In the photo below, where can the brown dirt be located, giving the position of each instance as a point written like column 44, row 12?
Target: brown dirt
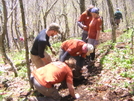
column 91, row 88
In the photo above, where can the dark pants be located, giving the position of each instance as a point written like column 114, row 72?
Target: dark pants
column 79, row 63
column 50, row 93
column 84, row 36
column 92, row 55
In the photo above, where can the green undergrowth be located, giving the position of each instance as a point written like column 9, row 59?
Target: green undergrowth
column 119, row 59
column 114, row 59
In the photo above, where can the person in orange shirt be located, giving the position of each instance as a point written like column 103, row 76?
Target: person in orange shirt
column 45, row 77
column 83, row 22
column 94, row 31
column 78, row 50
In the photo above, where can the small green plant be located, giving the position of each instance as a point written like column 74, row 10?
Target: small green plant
column 22, row 72
column 126, row 84
column 1, row 73
column 109, row 30
column 128, row 74
column 3, row 95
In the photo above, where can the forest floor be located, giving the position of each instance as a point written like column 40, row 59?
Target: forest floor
column 91, row 88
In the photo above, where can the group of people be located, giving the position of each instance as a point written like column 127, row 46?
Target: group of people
column 71, row 58
column 48, row 72
column 91, row 22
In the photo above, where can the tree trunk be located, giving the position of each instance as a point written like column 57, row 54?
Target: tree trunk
column 25, row 41
column 47, row 12
column 94, row 2
column 111, row 12
column 17, row 28
column 12, row 31
column 75, row 28
column 3, row 39
column 82, row 6
column 65, row 33
column 125, row 11
column 116, row 1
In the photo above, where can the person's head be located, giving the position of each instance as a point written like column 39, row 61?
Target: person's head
column 87, row 48
column 53, row 29
column 95, row 11
column 117, row 9
column 89, row 10
column 71, row 62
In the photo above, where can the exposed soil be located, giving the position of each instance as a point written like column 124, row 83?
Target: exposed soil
column 91, row 88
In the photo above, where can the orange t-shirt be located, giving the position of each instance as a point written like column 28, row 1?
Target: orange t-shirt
column 94, row 26
column 54, row 72
column 85, row 19
column 73, row 47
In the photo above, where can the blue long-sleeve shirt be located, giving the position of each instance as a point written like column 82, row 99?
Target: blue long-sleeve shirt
column 40, row 43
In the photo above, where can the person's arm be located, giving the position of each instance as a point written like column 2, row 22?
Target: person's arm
column 64, row 56
column 82, row 26
column 98, row 34
column 52, row 50
column 71, row 91
column 98, row 26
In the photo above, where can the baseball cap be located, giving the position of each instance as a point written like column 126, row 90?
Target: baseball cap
column 117, row 8
column 95, row 10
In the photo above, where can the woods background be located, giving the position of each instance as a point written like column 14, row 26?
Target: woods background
column 40, row 13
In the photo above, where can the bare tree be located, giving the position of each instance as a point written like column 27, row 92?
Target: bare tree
column 25, row 40
column 82, row 5
column 94, row 2
column 47, row 12
column 111, row 12
column 12, row 28
column 65, row 34
column 41, row 12
column 116, row 1
column 125, row 11
column 75, row 28
column 5, row 56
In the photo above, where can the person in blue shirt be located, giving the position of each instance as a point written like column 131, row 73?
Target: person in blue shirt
column 39, row 56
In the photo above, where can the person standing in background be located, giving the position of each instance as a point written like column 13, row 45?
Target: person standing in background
column 83, row 22
column 117, row 17
column 94, row 31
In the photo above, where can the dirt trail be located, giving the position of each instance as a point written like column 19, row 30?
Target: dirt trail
column 91, row 88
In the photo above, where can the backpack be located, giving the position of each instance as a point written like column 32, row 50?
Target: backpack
column 118, row 15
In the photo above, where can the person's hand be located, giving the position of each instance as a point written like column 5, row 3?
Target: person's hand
column 96, row 42
column 84, row 27
column 53, row 52
column 77, row 96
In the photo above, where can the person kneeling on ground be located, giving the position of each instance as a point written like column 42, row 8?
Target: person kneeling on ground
column 45, row 77
column 78, row 50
